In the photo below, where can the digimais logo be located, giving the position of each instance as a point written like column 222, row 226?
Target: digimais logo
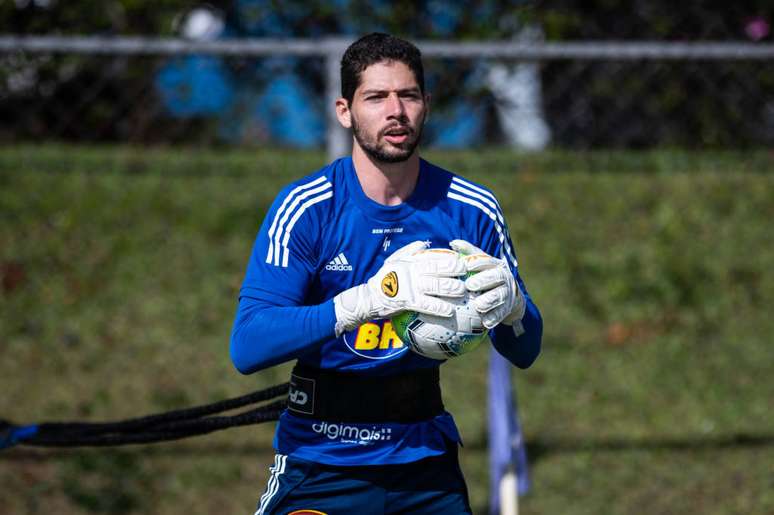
column 353, row 434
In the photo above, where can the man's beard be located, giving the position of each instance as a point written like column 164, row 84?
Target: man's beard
column 381, row 152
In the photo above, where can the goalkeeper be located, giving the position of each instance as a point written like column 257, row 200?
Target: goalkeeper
column 365, row 430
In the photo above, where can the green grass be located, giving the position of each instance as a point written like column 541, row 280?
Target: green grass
column 653, row 393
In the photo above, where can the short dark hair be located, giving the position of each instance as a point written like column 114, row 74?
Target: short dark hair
column 374, row 48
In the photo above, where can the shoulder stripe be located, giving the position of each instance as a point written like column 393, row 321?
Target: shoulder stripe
column 281, row 209
column 312, row 201
column 482, row 198
column 482, row 191
column 501, row 235
column 275, row 237
column 479, row 189
column 288, row 211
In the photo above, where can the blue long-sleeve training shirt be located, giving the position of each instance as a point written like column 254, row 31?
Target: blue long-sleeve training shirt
column 323, row 235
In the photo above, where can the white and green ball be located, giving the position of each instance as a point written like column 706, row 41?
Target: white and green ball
column 442, row 337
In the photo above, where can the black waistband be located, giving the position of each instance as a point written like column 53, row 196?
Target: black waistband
column 346, row 397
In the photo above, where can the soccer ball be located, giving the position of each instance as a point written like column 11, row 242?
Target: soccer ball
column 442, row 337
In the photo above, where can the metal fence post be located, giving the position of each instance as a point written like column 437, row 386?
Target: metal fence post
column 338, row 140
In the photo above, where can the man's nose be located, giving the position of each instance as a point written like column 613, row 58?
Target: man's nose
column 395, row 107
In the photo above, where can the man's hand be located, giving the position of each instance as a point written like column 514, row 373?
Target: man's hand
column 409, row 280
column 500, row 299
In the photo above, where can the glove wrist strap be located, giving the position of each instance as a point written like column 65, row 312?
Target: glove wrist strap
column 353, row 307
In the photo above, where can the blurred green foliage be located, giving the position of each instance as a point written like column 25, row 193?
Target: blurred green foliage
column 120, row 266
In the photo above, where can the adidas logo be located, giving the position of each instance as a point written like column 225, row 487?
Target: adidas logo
column 339, row 264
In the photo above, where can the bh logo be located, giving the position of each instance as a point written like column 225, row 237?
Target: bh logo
column 375, row 340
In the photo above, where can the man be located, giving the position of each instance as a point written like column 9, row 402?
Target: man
column 365, row 430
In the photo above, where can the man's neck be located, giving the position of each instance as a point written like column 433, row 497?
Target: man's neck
column 388, row 184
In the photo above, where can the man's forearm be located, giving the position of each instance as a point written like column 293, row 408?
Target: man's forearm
column 265, row 335
column 520, row 350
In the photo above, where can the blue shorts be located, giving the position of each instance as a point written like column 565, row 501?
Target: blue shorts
column 433, row 485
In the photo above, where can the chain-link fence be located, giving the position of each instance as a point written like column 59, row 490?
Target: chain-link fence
column 259, row 92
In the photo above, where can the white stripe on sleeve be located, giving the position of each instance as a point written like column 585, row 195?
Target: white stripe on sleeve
column 503, row 238
column 288, row 212
column 479, row 189
column 276, row 237
column 312, row 201
column 484, row 192
column 281, row 209
column 492, row 204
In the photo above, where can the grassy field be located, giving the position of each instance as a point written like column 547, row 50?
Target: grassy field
column 654, row 392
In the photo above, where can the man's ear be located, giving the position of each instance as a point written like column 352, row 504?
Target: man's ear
column 343, row 113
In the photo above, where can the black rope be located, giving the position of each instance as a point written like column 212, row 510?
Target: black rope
column 170, row 425
column 169, row 416
column 173, row 432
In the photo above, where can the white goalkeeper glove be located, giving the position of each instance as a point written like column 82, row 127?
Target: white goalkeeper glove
column 499, row 299
column 409, row 280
